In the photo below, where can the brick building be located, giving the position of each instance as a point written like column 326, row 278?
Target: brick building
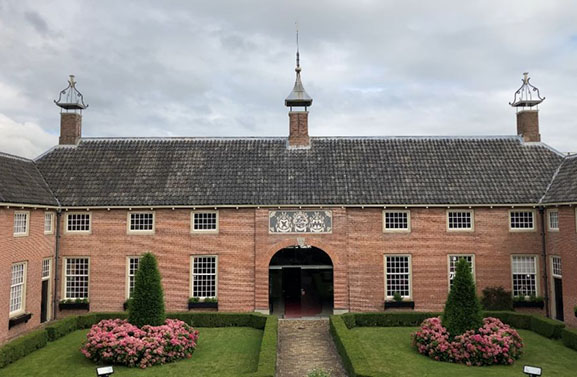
column 295, row 226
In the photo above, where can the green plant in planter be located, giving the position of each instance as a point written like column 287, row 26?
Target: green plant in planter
column 147, row 307
column 212, row 300
column 74, row 301
column 519, row 299
column 397, row 297
column 534, row 298
column 462, row 309
column 193, row 300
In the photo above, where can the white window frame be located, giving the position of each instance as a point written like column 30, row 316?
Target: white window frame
column 470, row 212
column 534, row 228
column 204, row 231
column 191, row 275
column 128, row 275
column 397, row 230
column 553, row 269
column 410, row 261
column 549, row 212
column 27, row 231
column 89, row 231
column 65, row 277
column 537, row 274
column 49, row 277
column 22, row 309
column 51, row 230
column 129, row 223
column 473, row 268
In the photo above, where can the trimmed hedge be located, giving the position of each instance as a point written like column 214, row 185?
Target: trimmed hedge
column 513, row 319
column 347, row 346
column 546, row 327
column 395, row 319
column 569, row 337
column 268, row 346
column 22, row 346
column 88, row 320
column 62, row 327
column 208, row 319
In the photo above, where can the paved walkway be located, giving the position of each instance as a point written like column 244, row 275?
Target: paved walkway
column 304, row 345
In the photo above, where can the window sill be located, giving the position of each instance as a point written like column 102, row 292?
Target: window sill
column 529, row 304
column 22, row 318
column 399, row 304
column 74, row 306
column 203, row 305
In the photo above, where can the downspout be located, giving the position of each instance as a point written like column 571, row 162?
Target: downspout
column 544, row 255
column 56, row 268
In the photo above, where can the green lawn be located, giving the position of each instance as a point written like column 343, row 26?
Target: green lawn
column 388, row 352
column 228, row 351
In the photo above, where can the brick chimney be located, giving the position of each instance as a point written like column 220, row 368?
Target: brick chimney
column 71, row 103
column 528, row 125
column 70, row 128
column 299, row 129
column 526, row 101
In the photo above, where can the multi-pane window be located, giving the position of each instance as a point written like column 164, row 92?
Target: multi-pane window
column 132, row 268
column 553, row 219
column 141, row 222
column 204, row 274
column 524, row 270
column 459, row 220
column 523, row 220
column 78, row 222
column 205, row 221
column 397, row 221
column 21, row 223
column 48, row 222
column 76, row 278
column 46, row 267
column 398, row 275
column 453, row 259
column 556, row 263
column 17, row 288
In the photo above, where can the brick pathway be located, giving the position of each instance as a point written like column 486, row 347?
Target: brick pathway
column 304, row 345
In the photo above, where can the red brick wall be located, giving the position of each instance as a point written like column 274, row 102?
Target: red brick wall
column 31, row 249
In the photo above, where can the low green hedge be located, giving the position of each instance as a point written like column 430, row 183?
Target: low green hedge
column 208, row 319
column 62, row 327
column 546, row 326
column 88, row 320
column 394, row 319
column 347, row 346
column 514, row 319
column 22, row 346
column 569, row 337
column 268, row 346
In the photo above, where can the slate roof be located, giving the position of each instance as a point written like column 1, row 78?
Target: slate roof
column 22, row 183
column 333, row 171
column 563, row 189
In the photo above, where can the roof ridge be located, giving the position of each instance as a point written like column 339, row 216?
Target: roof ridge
column 13, row 156
column 552, row 180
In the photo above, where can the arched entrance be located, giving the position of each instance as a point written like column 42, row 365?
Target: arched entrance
column 301, row 282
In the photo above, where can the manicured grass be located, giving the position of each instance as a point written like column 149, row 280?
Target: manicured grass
column 388, row 352
column 228, row 351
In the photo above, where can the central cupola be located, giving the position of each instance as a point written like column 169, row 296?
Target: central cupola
column 298, row 102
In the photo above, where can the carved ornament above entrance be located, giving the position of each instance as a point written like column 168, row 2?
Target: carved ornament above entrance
column 300, row 221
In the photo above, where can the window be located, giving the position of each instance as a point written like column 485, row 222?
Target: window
column 453, row 259
column 206, row 221
column 21, row 222
column 556, row 266
column 524, row 270
column 46, row 268
column 204, row 275
column 76, row 272
column 48, row 222
column 553, row 220
column 397, row 221
column 141, row 222
column 18, row 288
column 521, row 220
column 459, row 220
column 398, row 275
column 78, row 222
column 132, row 265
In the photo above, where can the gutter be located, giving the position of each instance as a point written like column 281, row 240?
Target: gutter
column 56, row 268
column 545, row 268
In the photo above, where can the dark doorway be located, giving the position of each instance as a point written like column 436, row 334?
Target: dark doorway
column 301, row 283
column 44, row 302
column 558, row 298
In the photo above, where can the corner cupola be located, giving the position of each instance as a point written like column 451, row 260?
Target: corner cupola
column 526, row 101
column 71, row 103
column 298, row 118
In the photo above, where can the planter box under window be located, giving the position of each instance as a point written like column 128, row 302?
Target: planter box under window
column 203, row 305
column 74, row 306
column 399, row 304
column 529, row 304
column 23, row 318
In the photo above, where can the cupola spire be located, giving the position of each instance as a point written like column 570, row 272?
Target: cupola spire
column 526, row 102
column 298, row 97
column 71, row 103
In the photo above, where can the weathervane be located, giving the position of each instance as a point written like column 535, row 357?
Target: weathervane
column 529, row 95
column 70, row 98
column 298, row 97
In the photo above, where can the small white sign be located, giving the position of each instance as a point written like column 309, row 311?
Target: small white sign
column 104, row 370
column 534, row 371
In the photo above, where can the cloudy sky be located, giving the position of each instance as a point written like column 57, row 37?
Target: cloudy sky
column 223, row 68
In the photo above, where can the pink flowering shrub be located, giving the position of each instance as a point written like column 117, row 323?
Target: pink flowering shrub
column 116, row 341
column 494, row 343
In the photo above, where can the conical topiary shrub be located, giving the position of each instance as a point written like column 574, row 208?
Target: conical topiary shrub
column 462, row 309
column 147, row 304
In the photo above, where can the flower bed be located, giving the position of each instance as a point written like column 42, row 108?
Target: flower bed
column 494, row 343
column 116, row 341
